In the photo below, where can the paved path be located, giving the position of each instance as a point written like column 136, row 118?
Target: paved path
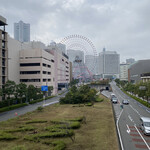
column 22, row 110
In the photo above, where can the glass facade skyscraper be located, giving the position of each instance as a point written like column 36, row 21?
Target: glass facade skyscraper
column 22, row 31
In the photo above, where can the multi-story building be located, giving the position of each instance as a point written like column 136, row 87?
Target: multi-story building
column 61, row 69
column 130, row 61
column 124, row 71
column 145, row 77
column 14, row 47
column 138, row 68
column 109, row 64
column 22, row 31
column 3, row 52
column 36, row 68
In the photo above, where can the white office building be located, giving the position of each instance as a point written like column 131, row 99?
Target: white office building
column 22, row 31
column 124, row 71
column 109, row 64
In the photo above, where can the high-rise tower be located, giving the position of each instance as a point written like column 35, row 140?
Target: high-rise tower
column 22, row 31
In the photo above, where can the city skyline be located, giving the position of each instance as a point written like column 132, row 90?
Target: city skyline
column 121, row 26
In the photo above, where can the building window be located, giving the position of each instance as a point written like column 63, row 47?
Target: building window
column 44, row 80
column 52, row 60
column 49, row 72
column 49, row 80
column 29, row 64
column 30, row 80
column 49, row 66
column 44, row 65
column 29, row 72
column 44, row 72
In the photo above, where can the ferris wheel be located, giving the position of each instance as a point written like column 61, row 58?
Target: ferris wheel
column 83, row 67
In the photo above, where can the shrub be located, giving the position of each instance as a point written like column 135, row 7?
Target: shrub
column 59, row 145
column 98, row 99
column 19, row 147
column 36, row 121
column 36, row 101
column 7, row 136
column 22, row 129
column 64, row 125
column 40, row 108
column 61, row 133
column 12, row 107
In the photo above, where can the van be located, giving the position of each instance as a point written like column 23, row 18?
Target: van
column 145, row 125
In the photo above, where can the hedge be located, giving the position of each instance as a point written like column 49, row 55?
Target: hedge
column 137, row 99
column 12, row 107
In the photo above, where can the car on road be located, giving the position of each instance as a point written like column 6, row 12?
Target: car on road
column 112, row 96
column 114, row 100
column 145, row 125
column 125, row 101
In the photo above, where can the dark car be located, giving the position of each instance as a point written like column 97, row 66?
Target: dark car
column 125, row 101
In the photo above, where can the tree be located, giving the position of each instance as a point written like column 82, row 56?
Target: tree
column 21, row 90
column 9, row 88
column 1, row 92
column 50, row 89
column 32, row 92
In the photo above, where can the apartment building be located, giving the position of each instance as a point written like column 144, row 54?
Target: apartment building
column 3, row 52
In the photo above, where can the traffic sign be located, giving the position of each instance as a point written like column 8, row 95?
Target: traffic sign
column 44, row 88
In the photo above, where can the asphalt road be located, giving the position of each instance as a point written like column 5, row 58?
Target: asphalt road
column 22, row 110
column 128, row 122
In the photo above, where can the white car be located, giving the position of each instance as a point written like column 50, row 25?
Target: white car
column 114, row 100
column 125, row 101
column 145, row 125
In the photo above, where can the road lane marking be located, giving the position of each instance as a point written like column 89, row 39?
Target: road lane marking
column 135, row 110
column 50, row 103
column 119, row 131
column 142, row 137
column 128, row 129
column 130, row 118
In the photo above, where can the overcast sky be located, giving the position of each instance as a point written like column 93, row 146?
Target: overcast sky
column 117, row 25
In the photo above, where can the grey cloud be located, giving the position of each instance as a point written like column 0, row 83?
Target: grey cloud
column 121, row 25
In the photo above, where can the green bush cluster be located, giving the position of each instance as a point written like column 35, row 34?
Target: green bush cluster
column 61, row 133
column 36, row 121
column 7, row 137
column 98, row 99
column 137, row 99
column 18, row 147
column 63, row 125
column 12, row 107
column 84, row 94
column 59, row 145
column 22, row 129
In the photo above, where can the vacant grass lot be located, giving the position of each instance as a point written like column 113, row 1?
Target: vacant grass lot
column 43, row 129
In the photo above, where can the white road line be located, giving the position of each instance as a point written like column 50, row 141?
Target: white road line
column 50, row 103
column 128, row 129
column 122, row 148
column 135, row 110
column 130, row 118
column 142, row 137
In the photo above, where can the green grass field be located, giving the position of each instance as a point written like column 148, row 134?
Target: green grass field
column 59, row 127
